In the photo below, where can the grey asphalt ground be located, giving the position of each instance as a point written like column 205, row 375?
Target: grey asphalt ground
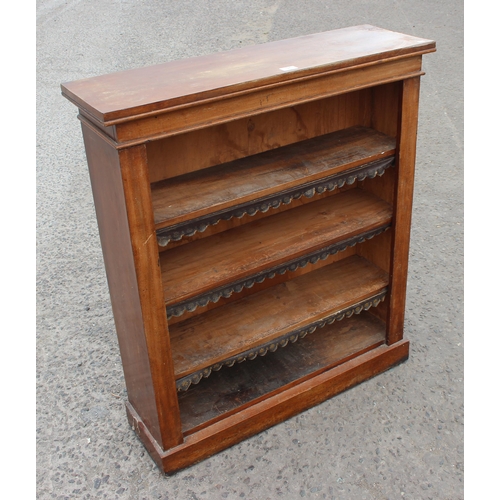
column 397, row 436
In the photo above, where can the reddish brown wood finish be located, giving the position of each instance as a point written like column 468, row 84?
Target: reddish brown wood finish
column 111, row 210
column 223, row 186
column 206, row 340
column 268, row 283
column 133, row 163
column 145, row 128
column 402, row 208
column 248, row 250
column 124, row 214
column 220, row 395
column 174, row 155
column 271, row 411
column 203, row 114
column 140, row 91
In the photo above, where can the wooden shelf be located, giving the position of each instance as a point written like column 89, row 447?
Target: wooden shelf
column 251, row 326
column 221, row 395
column 219, row 265
column 188, row 203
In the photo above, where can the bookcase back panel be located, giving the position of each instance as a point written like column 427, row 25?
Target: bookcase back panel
column 385, row 108
column 211, row 146
column 382, row 186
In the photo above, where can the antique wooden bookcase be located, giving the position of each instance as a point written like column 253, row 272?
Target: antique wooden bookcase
column 254, row 210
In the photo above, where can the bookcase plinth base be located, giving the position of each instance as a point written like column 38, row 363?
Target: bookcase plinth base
column 277, row 408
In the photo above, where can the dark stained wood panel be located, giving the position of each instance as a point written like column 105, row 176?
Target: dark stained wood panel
column 232, row 389
column 225, row 258
column 193, row 195
column 127, row 94
column 208, row 339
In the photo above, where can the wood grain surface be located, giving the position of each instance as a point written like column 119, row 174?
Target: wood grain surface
column 193, row 195
column 207, row 339
column 227, row 391
column 127, row 94
column 217, row 144
column 158, row 142
column 223, row 258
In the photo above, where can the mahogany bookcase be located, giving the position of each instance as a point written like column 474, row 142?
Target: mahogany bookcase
column 254, row 209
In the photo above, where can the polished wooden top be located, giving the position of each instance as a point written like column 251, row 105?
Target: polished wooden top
column 125, row 95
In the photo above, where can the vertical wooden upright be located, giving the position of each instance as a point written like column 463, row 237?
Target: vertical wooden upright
column 403, row 202
column 122, row 197
column 254, row 210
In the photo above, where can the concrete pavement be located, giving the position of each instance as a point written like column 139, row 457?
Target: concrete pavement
column 399, row 435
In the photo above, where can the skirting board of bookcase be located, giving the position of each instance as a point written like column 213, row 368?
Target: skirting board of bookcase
column 271, row 411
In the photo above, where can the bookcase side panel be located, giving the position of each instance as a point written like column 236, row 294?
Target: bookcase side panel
column 110, row 207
